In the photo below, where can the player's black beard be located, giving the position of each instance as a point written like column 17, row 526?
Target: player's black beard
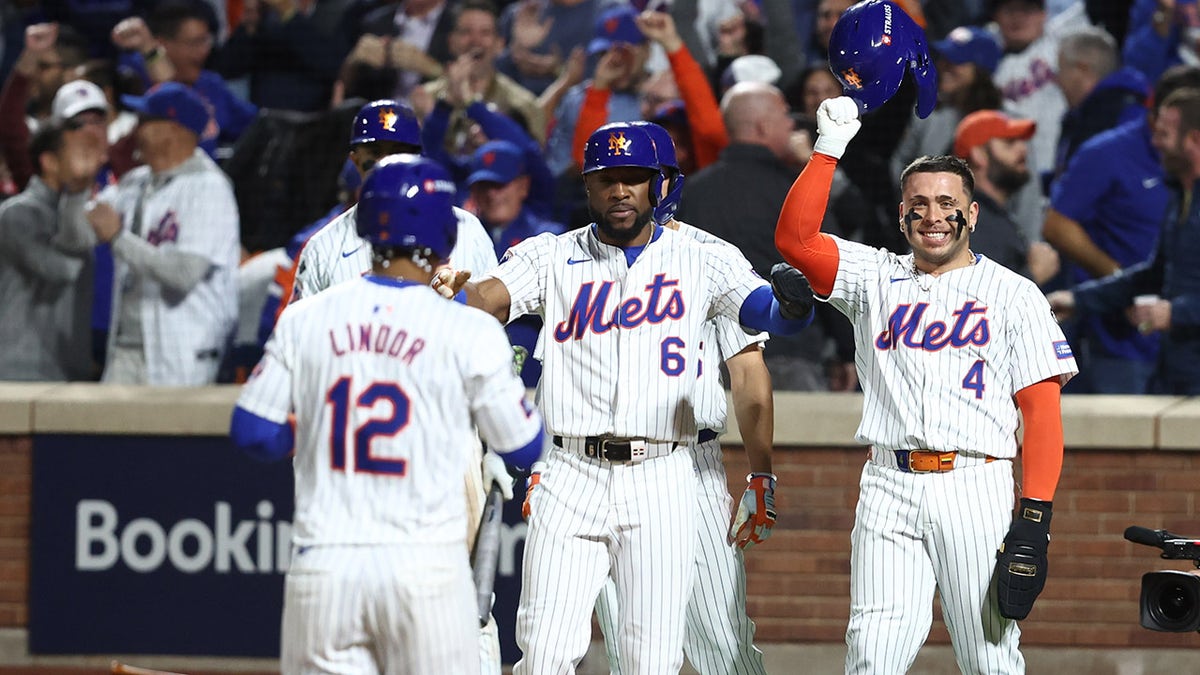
column 621, row 236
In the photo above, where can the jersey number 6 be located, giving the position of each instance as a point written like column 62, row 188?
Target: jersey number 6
column 339, row 398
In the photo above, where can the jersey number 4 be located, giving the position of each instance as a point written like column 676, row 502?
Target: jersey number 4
column 364, row 462
column 974, row 378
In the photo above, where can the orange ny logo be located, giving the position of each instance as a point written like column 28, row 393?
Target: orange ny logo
column 851, row 78
column 618, row 144
column 387, row 118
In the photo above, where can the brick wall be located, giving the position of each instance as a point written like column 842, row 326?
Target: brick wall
column 799, row 586
column 799, row 580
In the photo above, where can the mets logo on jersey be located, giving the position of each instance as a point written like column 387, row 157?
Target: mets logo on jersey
column 167, row 229
column 619, row 145
column 970, row 328
column 590, row 311
column 387, row 119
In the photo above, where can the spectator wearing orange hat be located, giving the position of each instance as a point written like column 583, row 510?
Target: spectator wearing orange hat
column 996, row 147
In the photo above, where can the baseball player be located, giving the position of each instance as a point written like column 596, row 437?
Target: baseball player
column 947, row 341
column 388, row 383
column 625, row 305
column 719, row 637
column 337, row 253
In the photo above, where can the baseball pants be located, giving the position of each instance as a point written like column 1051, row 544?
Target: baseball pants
column 719, row 636
column 917, row 532
column 589, row 519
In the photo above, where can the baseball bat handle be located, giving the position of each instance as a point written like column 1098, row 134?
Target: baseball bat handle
column 487, row 552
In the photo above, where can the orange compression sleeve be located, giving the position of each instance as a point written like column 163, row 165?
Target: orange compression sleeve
column 798, row 233
column 592, row 115
column 1042, row 453
column 709, row 136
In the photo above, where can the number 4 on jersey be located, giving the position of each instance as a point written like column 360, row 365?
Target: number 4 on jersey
column 974, row 379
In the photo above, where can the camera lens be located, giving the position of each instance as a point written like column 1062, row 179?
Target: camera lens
column 1175, row 603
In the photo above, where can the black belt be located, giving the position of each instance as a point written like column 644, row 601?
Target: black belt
column 623, row 449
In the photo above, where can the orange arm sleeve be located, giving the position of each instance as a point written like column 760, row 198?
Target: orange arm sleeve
column 1042, row 454
column 798, row 233
column 709, row 136
column 592, row 115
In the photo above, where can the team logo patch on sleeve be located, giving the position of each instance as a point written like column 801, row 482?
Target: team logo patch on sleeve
column 1062, row 349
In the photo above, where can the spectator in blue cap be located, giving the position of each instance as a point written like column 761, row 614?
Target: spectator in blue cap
column 499, row 183
column 966, row 60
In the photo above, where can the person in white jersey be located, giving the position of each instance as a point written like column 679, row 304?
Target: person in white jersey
column 625, row 304
column 336, row 253
column 387, row 382
column 719, row 635
column 953, row 350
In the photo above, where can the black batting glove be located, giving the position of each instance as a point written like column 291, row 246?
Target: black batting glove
column 1021, row 561
column 792, row 291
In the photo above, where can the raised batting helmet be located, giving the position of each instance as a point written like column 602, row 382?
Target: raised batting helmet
column 872, row 46
column 408, row 202
column 386, row 120
column 664, row 147
column 623, row 144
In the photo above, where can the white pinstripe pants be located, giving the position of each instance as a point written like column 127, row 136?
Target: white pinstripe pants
column 719, row 636
column 591, row 520
column 915, row 532
column 380, row 609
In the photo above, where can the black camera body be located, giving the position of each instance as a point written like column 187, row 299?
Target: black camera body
column 1170, row 599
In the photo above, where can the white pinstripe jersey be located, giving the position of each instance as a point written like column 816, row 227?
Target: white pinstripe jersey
column 620, row 343
column 336, row 253
column 386, row 384
column 723, row 338
column 941, row 357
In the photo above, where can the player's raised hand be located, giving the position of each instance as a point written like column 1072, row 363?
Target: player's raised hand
column 448, row 281
column 756, row 512
column 837, row 123
column 660, row 27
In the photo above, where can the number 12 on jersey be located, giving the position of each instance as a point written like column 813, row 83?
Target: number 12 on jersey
column 339, row 398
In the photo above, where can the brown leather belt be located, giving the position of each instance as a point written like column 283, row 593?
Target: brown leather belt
column 928, row 461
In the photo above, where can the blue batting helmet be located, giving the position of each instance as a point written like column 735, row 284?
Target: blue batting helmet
column 872, row 46
column 623, row 144
column 408, row 202
column 664, row 147
column 385, row 120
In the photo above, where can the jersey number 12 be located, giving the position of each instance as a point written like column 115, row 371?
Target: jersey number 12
column 339, row 398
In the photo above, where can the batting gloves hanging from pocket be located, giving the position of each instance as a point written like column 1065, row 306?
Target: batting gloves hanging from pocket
column 756, row 512
column 534, row 478
column 1021, row 561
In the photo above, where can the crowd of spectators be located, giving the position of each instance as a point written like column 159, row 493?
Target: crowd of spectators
column 119, row 230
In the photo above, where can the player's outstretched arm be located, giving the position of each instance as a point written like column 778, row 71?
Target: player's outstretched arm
column 754, row 406
column 798, row 232
column 261, row 438
column 490, row 295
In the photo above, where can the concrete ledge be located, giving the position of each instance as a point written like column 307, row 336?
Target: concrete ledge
column 125, row 410
column 1179, row 426
column 16, row 404
column 1113, row 421
column 820, row 419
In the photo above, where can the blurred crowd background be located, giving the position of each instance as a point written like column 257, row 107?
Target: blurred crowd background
column 164, row 160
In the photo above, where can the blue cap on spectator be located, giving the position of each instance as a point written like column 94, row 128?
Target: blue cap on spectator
column 615, row 26
column 970, row 44
column 349, row 179
column 172, row 101
column 496, row 162
column 672, row 112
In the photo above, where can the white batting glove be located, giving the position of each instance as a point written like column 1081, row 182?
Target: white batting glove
column 837, row 122
column 494, row 471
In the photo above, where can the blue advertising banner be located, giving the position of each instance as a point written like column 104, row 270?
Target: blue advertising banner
column 156, row 545
column 177, row 545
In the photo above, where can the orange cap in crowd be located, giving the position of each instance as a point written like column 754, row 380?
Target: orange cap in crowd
column 982, row 126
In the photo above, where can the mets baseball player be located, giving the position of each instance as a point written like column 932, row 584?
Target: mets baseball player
column 719, row 637
column 388, row 383
column 952, row 350
column 336, row 253
column 625, row 304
